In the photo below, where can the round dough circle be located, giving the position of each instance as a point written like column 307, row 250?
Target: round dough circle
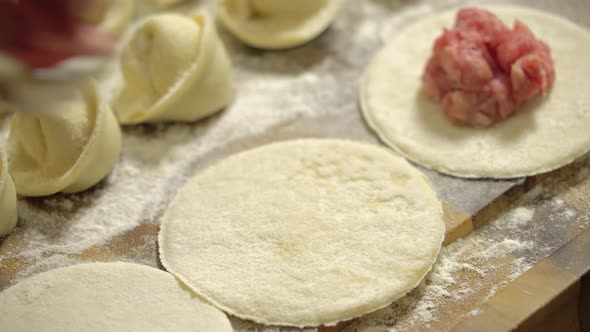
column 275, row 32
column 303, row 233
column 551, row 133
column 106, row 297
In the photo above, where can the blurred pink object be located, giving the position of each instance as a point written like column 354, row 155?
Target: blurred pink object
column 42, row 33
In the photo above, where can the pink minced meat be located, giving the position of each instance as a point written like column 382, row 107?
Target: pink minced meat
column 482, row 71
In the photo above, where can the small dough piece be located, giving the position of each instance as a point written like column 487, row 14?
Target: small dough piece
column 112, row 16
column 303, row 233
column 110, row 297
column 277, row 24
column 8, row 213
column 175, row 68
column 69, row 149
column 551, row 133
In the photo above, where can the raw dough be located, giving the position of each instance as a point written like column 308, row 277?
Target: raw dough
column 277, row 24
column 552, row 133
column 111, row 16
column 175, row 68
column 106, row 297
column 8, row 214
column 69, row 149
column 303, row 233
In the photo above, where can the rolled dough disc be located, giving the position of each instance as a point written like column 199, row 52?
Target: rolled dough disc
column 303, row 233
column 106, row 297
column 551, row 133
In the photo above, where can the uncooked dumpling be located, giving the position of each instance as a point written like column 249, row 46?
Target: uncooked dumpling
column 551, row 133
column 175, row 68
column 303, row 233
column 8, row 214
column 277, row 24
column 109, row 297
column 68, row 149
column 111, row 16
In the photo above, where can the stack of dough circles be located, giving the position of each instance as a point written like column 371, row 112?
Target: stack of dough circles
column 304, row 232
column 110, row 297
column 175, row 68
column 112, row 16
column 551, row 133
column 8, row 213
column 69, row 149
column 277, row 24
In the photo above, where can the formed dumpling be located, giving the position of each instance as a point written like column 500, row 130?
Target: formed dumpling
column 69, row 149
column 111, row 16
column 8, row 214
column 277, row 24
column 174, row 68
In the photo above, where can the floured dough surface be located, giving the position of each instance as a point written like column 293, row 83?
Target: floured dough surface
column 277, row 24
column 106, row 297
column 304, row 232
column 551, row 133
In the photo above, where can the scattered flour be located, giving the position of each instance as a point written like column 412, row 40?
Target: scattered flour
column 499, row 250
column 474, row 312
column 475, row 268
column 463, row 269
column 516, row 218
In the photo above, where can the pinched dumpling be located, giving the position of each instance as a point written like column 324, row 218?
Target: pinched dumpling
column 69, row 149
column 8, row 214
column 277, row 24
column 174, row 68
column 111, row 16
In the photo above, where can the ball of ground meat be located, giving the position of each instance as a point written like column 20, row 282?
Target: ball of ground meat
column 482, row 71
